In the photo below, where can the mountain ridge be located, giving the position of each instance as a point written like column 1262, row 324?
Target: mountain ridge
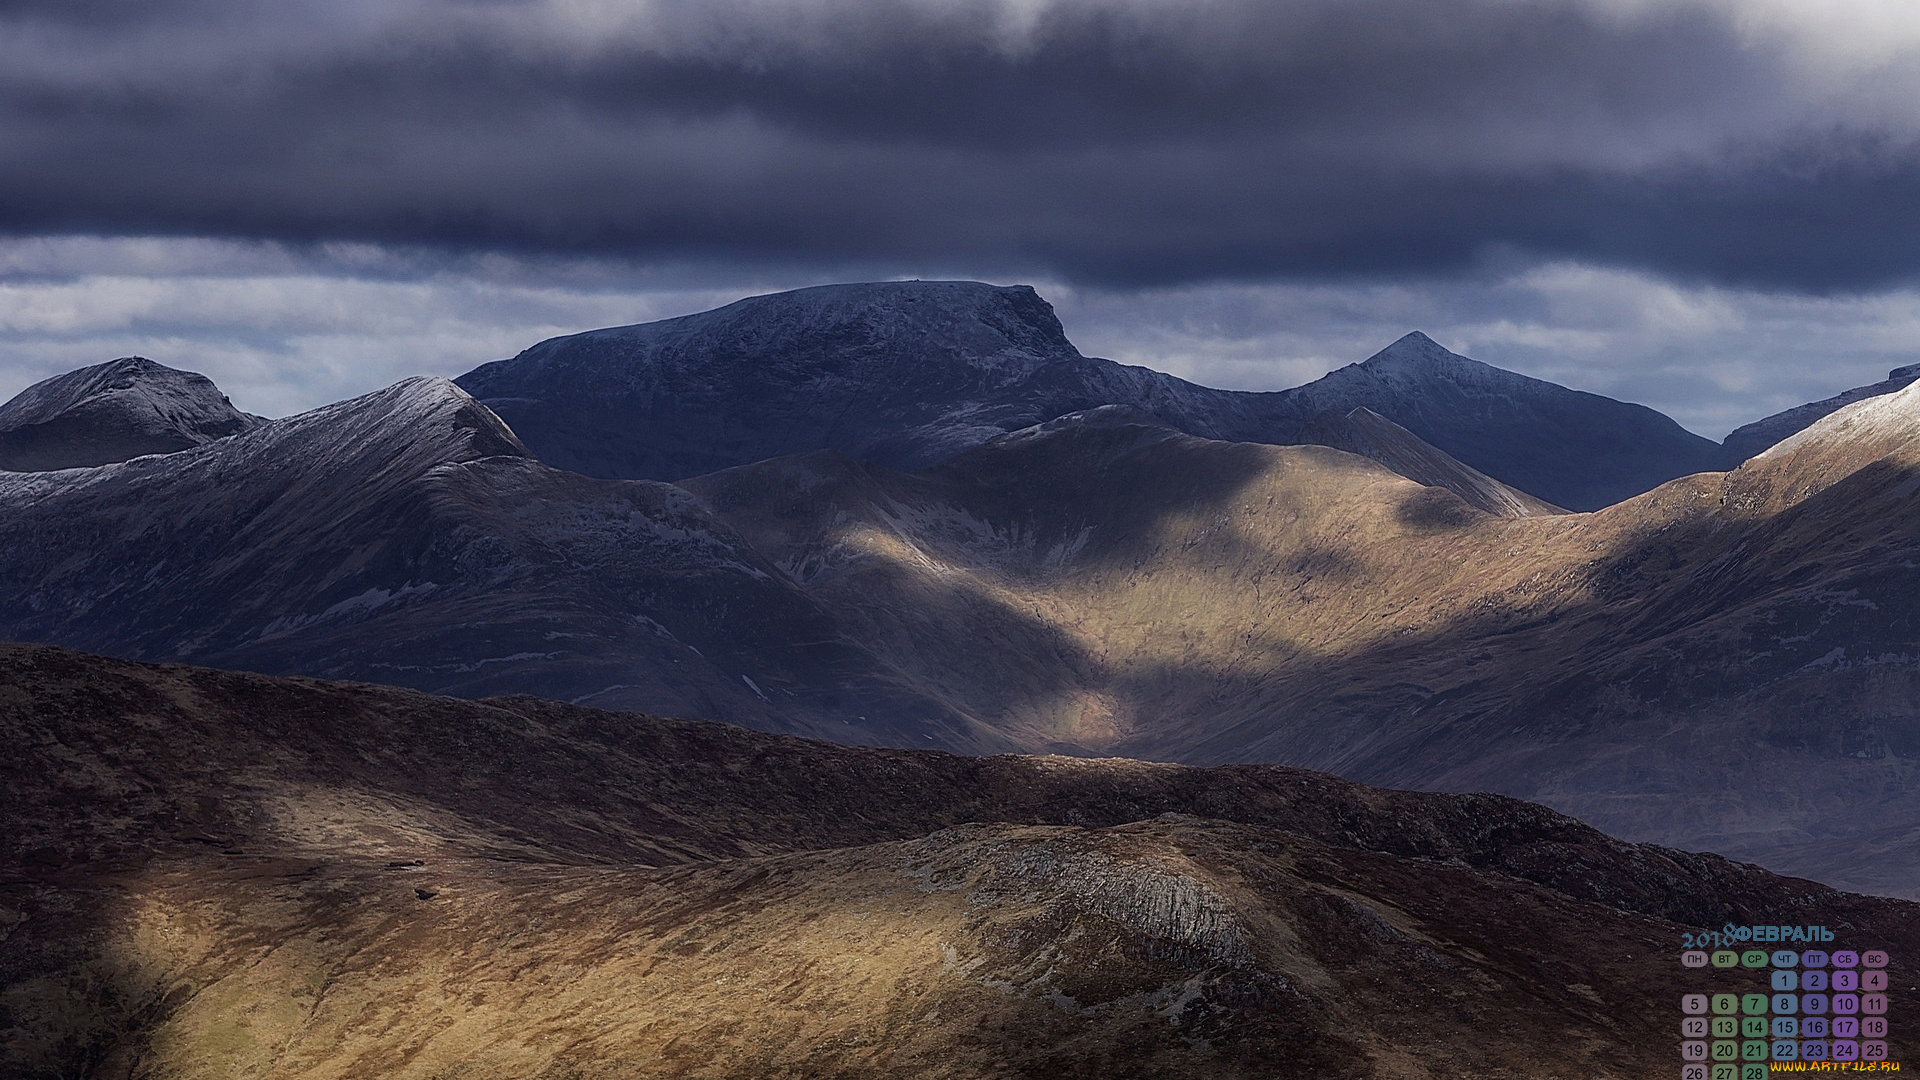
column 1751, row 439
column 893, row 372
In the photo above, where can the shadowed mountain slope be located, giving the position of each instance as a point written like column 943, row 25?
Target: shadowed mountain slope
column 408, row 537
column 211, row 873
column 111, row 412
column 904, row 373
column 1130, row 590
column 908, row 374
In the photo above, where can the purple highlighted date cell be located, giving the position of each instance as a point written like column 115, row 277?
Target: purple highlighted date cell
column 1847, row 981
column 1846, row 958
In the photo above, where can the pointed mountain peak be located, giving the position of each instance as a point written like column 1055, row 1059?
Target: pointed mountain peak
column 1415, row 342
column 1417, row 354
column 1413, row 348
column 111, row 412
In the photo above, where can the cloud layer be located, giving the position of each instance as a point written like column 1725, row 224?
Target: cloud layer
column 1755, row 143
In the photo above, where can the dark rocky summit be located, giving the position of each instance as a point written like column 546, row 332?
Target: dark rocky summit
column 112, row 412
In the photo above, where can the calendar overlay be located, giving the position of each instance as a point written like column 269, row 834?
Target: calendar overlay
column 1804, row 1003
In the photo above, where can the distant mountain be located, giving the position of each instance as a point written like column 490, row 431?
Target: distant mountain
column 1744, row 442
column 1568, row 447
column 213, row 874
column 908, row 374
column 112, row 412
column 901, row 373
column 408, row 537
column 1098, row 583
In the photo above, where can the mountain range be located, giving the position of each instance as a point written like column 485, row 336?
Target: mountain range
column 908, row 374
column 1725, row 661
column 208, row 873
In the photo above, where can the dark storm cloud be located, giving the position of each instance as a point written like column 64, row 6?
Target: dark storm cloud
column 1121, row 143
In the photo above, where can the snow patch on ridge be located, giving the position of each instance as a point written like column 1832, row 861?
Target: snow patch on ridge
column 1888, row 415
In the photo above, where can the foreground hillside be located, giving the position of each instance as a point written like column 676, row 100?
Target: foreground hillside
column 217, row 874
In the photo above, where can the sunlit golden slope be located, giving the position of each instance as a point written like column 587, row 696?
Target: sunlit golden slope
column 1728, row 661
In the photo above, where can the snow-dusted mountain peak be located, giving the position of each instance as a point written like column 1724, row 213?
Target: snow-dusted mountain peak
column 905, row 373
column 1417, row 358
column 111, row 412
column 1002, row 331
column 1413, row 346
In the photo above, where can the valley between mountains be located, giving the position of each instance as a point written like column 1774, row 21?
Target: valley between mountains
column 1061, row 703
column 970, row 537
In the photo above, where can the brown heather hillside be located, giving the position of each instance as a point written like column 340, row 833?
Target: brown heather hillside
column 1730, row 661
column 210, row 874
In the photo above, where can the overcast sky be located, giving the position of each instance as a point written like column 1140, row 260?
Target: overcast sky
column 1711, row 206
